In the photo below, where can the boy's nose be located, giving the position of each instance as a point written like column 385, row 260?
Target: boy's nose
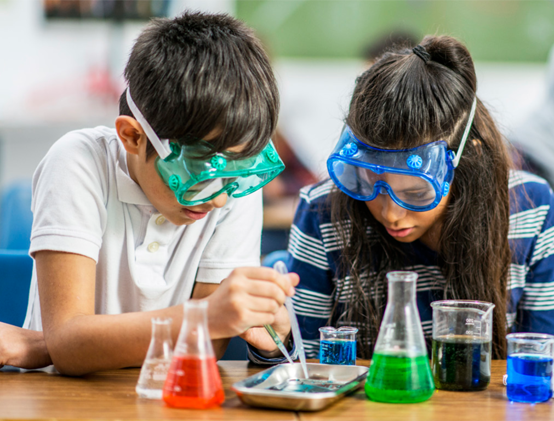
column 390, row 211
column 219, row 201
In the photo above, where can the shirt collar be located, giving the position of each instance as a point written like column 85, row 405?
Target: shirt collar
column 127, row 190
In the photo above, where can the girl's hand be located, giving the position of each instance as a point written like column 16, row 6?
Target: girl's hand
column 250, row 297
column 22, row 348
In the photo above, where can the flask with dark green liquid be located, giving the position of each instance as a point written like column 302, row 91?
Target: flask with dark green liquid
column 400, row 371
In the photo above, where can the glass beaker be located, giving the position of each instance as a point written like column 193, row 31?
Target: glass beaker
column 462, row 338
column 529, row 370
column 400, row 370
column 193, row 380
column 158, row 358
column 337, row 346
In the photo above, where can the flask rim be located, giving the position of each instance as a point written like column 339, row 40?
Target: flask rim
column 341, row 331
column 402, row 276
column 527, row 337
column 462, row 305
column 161, row 320
column 201, row 304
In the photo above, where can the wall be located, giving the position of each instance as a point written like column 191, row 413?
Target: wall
column 315, row 95
column 494, row 30
column 57, row 76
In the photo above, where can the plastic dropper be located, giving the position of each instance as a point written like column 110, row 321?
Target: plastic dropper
column 282, row 269
column 278, row 342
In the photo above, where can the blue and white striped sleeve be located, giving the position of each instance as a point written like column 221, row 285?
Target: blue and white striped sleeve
column 313, row 300
column 535, row 311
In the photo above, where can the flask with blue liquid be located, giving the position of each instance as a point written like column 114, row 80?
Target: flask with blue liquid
column 530, row 363
column 337, row 346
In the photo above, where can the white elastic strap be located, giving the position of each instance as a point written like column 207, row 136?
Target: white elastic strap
column 466, row 133
column 161, row 145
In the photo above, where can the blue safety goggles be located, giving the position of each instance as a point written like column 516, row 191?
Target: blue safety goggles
column 416, row 179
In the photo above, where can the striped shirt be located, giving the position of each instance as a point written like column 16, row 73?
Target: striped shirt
column 315, row 248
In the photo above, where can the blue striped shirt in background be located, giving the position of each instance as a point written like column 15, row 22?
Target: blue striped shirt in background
column 315, row 248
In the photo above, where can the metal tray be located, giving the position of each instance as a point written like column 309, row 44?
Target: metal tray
column 283, row 386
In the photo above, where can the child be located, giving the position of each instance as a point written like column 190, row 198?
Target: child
column 421, row 180
column 129, row 223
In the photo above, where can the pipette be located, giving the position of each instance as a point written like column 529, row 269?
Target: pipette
column 278, row 342
column 282, row 269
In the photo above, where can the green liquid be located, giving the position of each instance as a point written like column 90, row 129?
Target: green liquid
column 399, row 379
column 461, row 362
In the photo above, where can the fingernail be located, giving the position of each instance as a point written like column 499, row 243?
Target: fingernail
column 291, row 292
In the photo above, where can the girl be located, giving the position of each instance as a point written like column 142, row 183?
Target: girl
column 422, row 180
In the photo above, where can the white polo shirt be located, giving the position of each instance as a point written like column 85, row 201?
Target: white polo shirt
column 84, row 202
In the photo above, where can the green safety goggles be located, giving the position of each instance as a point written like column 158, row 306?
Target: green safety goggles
column 195, row 181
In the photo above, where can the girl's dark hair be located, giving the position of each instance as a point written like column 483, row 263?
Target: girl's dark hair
column 203, row 73
column 404, row 101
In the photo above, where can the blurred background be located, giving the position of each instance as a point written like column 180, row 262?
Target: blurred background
column 61, row 68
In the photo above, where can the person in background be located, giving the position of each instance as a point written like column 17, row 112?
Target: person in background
column 422, row 180
column 280, row 196
column 126, row 224
column 388, row 41
column 534, row 138
column 294, row 176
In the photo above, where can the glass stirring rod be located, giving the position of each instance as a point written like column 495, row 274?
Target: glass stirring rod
column 282, row 269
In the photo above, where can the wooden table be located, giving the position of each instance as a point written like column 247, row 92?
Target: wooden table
column 112, row 395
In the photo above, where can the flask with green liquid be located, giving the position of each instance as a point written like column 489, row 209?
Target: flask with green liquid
column 400, row 371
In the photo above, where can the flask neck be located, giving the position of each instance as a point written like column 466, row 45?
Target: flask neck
column 401, row 288
column 194, row 338
column 400, row 332
column 161, row 330
column 195, row 313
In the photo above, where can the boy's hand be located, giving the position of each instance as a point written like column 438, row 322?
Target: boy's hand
column 250, row 297
column 262, row 340
column 22, row 348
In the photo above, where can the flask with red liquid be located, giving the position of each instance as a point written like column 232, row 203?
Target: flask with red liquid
column 193, row 380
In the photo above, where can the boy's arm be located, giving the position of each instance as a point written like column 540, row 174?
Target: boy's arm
column 80, row 341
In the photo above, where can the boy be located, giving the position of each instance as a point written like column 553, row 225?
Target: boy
column 119, row 236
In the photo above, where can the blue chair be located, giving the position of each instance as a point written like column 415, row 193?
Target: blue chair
column 16, row 266
column 16, row 218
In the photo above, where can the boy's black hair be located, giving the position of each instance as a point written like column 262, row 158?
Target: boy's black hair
column 201, row 74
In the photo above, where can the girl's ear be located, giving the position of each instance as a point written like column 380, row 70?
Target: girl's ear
column 130, row 133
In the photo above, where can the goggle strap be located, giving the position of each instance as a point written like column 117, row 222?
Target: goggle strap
column 456, row 159
column 161, row 145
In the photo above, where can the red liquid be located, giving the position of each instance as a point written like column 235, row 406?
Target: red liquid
column 193, row 382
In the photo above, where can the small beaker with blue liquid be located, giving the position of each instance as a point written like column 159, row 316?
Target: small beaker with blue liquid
column 530, row 360
column 337, row 346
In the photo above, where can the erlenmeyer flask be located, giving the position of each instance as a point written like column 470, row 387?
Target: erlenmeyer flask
column 158, row 358
column 400, row 371
column 193, row 380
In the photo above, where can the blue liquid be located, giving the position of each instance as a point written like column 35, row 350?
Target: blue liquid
column 337, row 352
column 529, row 378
